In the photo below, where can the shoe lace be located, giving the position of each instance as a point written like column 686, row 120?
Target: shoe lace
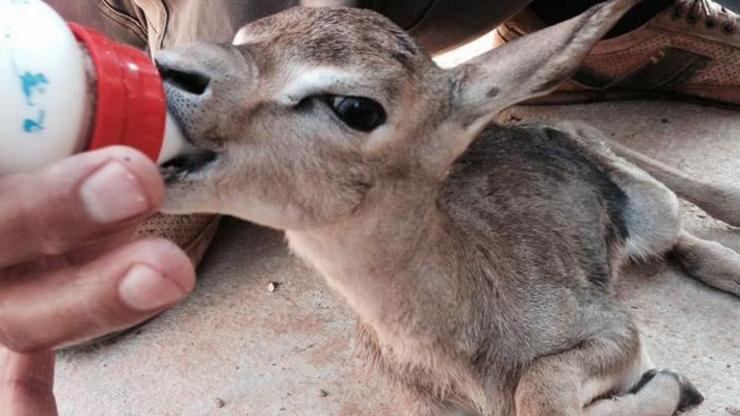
column 712, row 13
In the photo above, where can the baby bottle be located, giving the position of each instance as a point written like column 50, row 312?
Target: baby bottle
column 65, row 89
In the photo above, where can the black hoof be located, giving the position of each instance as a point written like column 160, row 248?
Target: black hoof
column 690, row 396
column 649, row 375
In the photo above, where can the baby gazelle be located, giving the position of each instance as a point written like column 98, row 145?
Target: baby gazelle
column 480, row 259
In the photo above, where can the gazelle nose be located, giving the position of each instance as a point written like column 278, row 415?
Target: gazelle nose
column 189, row 81
column 204, row 82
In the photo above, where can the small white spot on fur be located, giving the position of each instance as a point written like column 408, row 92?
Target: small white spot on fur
column 242, row 37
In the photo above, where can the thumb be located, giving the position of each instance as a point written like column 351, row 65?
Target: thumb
column 26, row 383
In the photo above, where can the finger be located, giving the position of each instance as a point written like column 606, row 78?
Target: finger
column 114, row 292
column 75, row 201
column 26, row 382
column 80, row 256
column 92, row 251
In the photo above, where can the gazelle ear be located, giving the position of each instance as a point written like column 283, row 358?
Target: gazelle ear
column 528, row 67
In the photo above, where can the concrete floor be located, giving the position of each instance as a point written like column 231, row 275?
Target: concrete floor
column 235, row 348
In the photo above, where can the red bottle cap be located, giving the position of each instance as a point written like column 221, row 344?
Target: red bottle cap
column 130, row 106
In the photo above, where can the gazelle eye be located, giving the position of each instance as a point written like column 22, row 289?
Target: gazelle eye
column 359, row 113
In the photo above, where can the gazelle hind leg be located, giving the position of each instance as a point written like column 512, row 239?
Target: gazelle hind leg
column 709, row 262
column 653, row 220
column 652, row 213
column 720, row 200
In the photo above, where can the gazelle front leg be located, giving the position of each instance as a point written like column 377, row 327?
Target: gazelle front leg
column 658, row 393
column 710, row 262
column 573, row 382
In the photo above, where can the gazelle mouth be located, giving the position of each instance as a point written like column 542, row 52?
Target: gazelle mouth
column 182, row 166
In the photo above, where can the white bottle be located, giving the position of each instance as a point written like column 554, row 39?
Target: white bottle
column 65, row 89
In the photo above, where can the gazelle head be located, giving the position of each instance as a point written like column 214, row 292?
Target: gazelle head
column 316, row 114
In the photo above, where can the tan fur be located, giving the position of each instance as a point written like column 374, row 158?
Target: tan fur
column 481, row 259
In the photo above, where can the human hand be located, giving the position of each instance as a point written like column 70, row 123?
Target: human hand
column 68, row 269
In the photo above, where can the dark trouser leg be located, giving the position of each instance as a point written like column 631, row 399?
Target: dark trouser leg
column 553, row 11
column 733, row 5
column 119, row 19
column 441, row 24
column 436, row 24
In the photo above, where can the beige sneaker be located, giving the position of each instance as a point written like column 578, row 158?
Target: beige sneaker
column 689, row 51
column 193, row 233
